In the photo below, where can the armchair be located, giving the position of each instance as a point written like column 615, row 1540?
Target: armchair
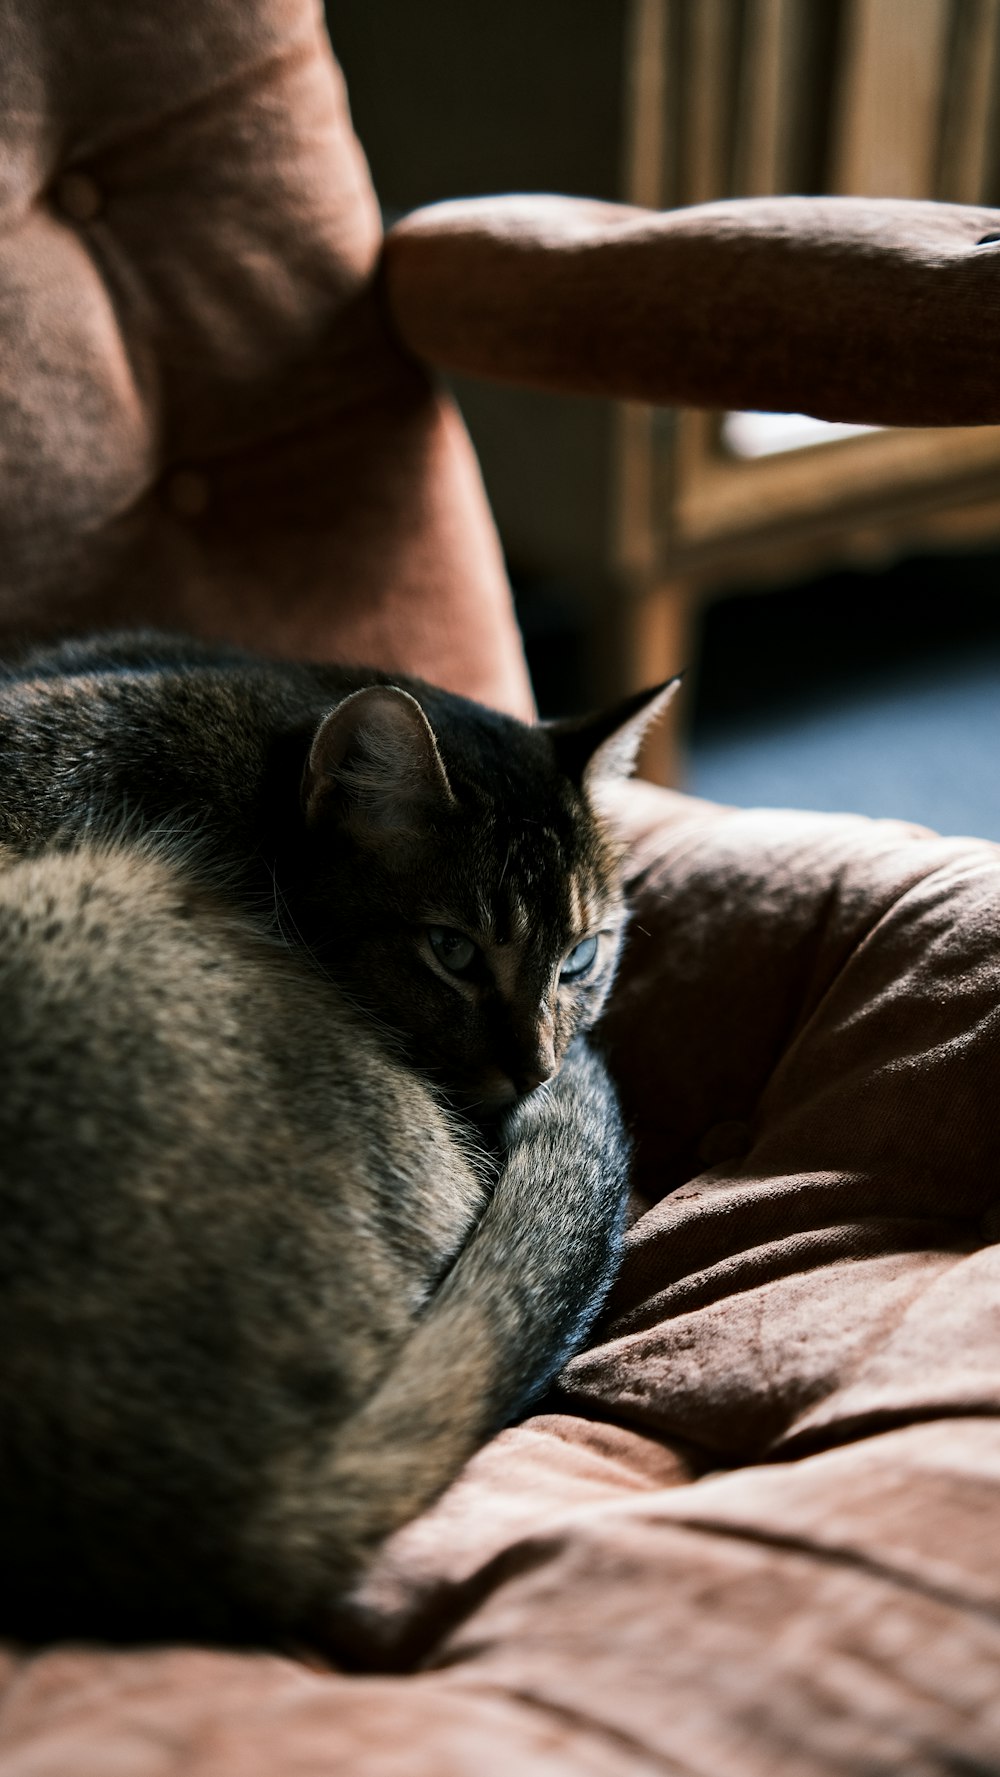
column 757, row 1529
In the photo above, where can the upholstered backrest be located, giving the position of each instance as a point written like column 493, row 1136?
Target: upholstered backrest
column 205, row 420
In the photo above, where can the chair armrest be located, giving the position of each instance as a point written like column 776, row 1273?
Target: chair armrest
column 873, row 310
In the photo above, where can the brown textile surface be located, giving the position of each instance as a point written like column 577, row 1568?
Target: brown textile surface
column 756, row 1531
column 205, row 420
column 781, row 303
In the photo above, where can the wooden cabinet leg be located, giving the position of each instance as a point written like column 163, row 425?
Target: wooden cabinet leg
column 658, row 641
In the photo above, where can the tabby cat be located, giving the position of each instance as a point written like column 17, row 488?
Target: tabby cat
column 308, row 1177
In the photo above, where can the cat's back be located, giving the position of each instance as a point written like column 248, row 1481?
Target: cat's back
column 159, row 1044
column 117, row 732
column 210, row 1172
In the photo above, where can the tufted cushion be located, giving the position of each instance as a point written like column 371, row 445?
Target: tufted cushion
column 204, row 418
column 759, row 1533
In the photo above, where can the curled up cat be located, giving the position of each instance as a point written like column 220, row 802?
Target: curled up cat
column 309, row 1178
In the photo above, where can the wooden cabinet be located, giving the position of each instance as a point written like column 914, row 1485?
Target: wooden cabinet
column 888, row 98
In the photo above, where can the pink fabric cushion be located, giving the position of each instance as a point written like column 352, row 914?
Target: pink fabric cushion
column 205, row 420
column 760, row 1533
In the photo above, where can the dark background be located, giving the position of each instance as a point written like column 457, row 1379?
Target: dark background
column 877, row 692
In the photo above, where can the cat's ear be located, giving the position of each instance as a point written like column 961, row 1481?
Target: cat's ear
column 375, row 761
column 599, row 750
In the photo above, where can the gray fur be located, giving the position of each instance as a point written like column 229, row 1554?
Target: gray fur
column 262, row 1292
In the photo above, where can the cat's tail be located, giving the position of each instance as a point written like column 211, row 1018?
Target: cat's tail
column 514, row 1306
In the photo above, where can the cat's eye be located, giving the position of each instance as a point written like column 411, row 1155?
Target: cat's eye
column 580, row 960
column 454, row 951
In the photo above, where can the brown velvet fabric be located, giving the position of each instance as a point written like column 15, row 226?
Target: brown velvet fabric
column 848, row 308
column 205, row 421
column 756, row 1530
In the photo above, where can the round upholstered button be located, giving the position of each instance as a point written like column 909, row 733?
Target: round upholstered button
column 78, row 196
column 187, row 493
column 724, row 1141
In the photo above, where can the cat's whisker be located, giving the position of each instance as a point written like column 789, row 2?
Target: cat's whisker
column 277, row 899
column 392, row 1039
column 506, row 865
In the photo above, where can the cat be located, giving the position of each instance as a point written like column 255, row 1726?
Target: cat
column 309, row 1178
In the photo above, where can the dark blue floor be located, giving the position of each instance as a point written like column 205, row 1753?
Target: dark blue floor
column 874, row 694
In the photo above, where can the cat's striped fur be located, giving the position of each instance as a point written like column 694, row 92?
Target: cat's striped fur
column 287, row 1231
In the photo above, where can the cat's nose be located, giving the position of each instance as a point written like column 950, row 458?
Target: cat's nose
column 531, row 1078
column 531, row 1054
column 536, row 1069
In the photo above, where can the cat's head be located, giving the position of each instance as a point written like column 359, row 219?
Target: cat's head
column 458, row 881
